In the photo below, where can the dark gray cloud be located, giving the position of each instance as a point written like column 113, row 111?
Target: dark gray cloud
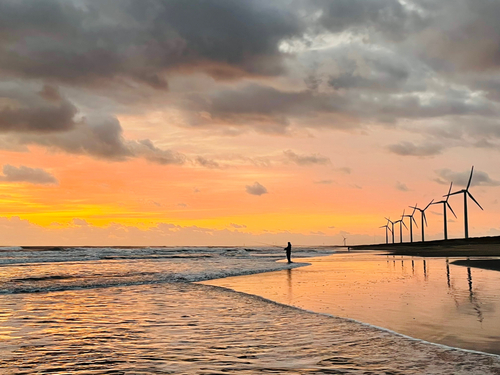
column 393, row 60
column 88, row 41
column 411, row 149
column 479, row 178
column 256, row 189
column 27, row 174
column 388, row 17
column 44, row 118
column 306, row 160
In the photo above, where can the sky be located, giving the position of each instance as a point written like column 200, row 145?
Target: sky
column 222, row 122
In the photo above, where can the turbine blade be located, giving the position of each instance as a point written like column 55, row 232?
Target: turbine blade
column 414, row 208
column 426, row 207
column 449, row 191
column 415, row 221
column 455, row 192
column 425, row 218
column 475, row 201
column 402, row 222
column 470, row 178
column 451, row 209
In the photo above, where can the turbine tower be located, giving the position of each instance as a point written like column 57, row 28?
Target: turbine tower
column 423, row 218
column 392, row 230
column 344, row 240
column 466, row 193
column 401, row 223
column 386, row 226
column 412, row 219
column 446, row 204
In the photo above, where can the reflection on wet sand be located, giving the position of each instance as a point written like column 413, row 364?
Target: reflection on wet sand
column 436, row 300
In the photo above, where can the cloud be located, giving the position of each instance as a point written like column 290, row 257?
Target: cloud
column 207, row 163
column 80, row 222
column 324, row 182
column 479, row 178
column 91, row 42
column 26, row 174
column 306, row 160
column 389, row 17
column 339, row 64
column 256, row 189
column 237, row 226
column 410, row 149
column 36, row 117
column 401, row 187
column 345, row 170
column 101, row 138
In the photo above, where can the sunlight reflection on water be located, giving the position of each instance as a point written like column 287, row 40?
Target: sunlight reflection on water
column 198, row 329
column 430, row 299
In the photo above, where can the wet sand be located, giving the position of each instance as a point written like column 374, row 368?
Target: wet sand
column 183, row 328
column 426, row 298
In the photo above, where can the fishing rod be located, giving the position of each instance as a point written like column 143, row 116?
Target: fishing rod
column 267, row 244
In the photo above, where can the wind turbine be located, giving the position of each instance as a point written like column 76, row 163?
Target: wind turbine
column 386, row 226
column 392, row 230
column 445, row 203
column 412, row 219
column 344, row 240
column 401, row 223
column 466, row 193
column 423, row 218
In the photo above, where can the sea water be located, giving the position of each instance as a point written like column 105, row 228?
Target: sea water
column 136, row 311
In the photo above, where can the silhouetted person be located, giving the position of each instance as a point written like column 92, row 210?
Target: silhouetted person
column 289, row 252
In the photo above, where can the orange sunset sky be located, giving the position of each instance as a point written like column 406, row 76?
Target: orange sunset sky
column 220, row 122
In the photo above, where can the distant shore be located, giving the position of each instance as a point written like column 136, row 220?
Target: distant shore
column 472, row 247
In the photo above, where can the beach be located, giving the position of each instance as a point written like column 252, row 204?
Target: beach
column 150, row 311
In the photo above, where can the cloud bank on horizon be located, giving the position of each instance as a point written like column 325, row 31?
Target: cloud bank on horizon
column 230, row 85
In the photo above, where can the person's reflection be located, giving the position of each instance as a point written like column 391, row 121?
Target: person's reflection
column 289, row 280
column 425, row 270
column 412, row 267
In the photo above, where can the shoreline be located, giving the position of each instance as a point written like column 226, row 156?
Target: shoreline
column 339, row 287
column 488, row 247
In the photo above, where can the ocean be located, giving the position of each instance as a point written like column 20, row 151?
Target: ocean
column 89, row 310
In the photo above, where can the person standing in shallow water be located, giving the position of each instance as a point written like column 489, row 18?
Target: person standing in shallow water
column 289, row 252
